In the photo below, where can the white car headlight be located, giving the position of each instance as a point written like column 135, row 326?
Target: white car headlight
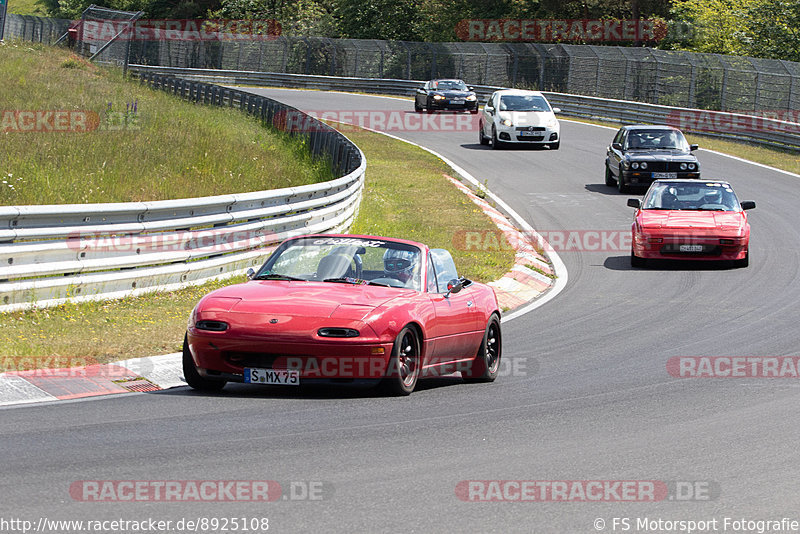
column 552, row 123
column 683, row 166
column 438, row 97
column 472, row 98
column 506, row 122
column 692, row 166
column 643, row 165
column 635, row 165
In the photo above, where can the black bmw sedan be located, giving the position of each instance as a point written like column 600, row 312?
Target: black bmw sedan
column 641, row 153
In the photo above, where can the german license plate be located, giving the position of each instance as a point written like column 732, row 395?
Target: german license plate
column 457, row 101
column 274, row 377
column 691, row 248
column 666, row 175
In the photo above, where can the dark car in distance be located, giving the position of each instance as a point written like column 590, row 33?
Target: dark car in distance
column 440, row 95
column 642, row 153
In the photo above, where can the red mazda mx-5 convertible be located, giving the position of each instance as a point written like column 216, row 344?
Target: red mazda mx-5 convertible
column 691, row 220
column 345, row 308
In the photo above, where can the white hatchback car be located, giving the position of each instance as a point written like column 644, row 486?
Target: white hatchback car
column 519, row 117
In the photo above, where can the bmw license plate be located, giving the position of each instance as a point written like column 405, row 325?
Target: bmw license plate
column 274, row 377
column 667, row 175
column 691, row 248
column 457, row 101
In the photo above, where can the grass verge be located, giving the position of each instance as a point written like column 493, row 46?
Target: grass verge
column 148, row 145
column 406, row 196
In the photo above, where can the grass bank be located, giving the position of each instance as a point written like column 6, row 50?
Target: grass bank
column 147, row 145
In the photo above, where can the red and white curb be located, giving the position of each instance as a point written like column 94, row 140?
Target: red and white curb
column 126, row 376
column 521, row 284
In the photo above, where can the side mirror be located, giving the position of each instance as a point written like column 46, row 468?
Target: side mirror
column 693, row 147
column 616, row 146
column 556, row 110
column 421, row 90
column 454, row 286
column 251, row 273
column 470, row 88
column 748, row 204
column 634, row 203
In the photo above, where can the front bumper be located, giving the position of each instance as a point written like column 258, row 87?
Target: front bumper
column 689, row 247
column 452, row 105
column 219, row 357
column 639, row 177
column 525, row 135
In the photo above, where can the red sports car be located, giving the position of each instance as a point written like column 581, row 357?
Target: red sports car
column 345, row 308
column 690, row 219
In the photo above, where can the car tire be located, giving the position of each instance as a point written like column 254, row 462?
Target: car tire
column 610, row 181
column 417, row 107
column 554, row 146
column 621, row 185
column 486, row 365
column 636, row 261
column 191, row 375
column 404, row 365
column 496, row 143
column 744, row 262
column 482, row 138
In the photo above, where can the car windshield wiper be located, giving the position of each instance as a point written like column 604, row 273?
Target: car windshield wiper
column 711, row 209
column 278, row 276
column 345, row 280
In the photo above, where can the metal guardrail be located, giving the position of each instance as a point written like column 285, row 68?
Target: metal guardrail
column 747, row 128
column 49, row 254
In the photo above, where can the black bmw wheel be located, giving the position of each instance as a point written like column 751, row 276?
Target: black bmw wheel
column 404, row 366
column 610, row 181
column 485, row 366
column 191, row 375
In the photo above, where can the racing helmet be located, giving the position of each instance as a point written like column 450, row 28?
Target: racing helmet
column 712, row 196
column 399, row 264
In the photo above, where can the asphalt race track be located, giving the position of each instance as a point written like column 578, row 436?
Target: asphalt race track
column 585, row 395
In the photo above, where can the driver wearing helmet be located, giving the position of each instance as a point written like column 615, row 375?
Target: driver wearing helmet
column 711, row 198
column 400, row 265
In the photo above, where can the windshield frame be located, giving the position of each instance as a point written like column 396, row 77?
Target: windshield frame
column 511, row 98
column 300, row 269
column 690, row 196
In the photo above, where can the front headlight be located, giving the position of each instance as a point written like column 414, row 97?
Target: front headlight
column 552, row 123
column 507, row 122
column 692, row 166
column 635, row 165
column 683, row 166
column 643, row 165
column 438, row 97
column 472, row 98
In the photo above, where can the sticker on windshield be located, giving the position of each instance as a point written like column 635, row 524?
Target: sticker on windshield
column 348, row 241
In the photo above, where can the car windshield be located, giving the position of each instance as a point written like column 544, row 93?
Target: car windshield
column 450, row 85
column 704, row 196
column 349, row 260
column 657, row 140
column 523, row 103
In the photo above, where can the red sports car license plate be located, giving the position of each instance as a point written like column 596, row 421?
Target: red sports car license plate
column 691, row 248
column 274, row 377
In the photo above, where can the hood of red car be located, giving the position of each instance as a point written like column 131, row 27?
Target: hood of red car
column 308, row 299
column 683, row 219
